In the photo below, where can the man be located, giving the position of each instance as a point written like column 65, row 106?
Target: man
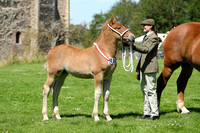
column 147, row 68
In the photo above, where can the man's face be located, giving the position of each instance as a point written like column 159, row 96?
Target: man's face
column 147, row 28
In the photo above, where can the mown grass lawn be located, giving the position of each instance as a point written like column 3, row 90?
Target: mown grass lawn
column 21, row 104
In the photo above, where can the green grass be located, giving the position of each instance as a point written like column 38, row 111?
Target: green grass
column 21, row 104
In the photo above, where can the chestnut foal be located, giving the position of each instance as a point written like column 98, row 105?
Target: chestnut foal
column 96, row 62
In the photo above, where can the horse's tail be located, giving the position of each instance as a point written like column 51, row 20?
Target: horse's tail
column 162, row 40
column 45, row 66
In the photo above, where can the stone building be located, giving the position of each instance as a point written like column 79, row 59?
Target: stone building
column 20, row 23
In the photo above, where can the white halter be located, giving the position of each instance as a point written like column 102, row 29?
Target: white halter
column 121, row 34
column 128, row 67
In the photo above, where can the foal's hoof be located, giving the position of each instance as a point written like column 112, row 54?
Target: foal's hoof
column 45, row 118
column 58, row 118
column 57, row 115
column 96, row 117
column 107, row 117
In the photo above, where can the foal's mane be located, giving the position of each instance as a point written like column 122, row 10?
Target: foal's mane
column 105, row 28
column 111, row 21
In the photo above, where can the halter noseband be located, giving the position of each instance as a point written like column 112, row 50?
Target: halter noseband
column 121, row 34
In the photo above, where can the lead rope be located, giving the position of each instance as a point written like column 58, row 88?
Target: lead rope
column 128, row 67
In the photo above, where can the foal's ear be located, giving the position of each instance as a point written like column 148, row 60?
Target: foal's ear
column 112, row 20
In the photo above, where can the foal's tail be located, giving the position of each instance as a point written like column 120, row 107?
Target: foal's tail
column 45, row 66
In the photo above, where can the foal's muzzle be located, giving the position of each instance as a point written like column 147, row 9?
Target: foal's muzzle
column 130, row 39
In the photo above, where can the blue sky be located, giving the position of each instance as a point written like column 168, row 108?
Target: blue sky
column 82, row 11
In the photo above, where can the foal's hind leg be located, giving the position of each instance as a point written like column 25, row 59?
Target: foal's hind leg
column 46, row 90
column 106, row 92
column 181, row 84
column 56, row 90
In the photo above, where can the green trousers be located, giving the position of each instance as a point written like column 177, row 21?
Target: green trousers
column 148, row 87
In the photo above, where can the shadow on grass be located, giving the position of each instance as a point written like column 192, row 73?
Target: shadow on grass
column 197, row 110
column 123, row 115
column 76, row 115
column 128, row 114
column 118, row 116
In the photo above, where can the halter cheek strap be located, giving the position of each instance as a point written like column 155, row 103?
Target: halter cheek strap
column 121, row 34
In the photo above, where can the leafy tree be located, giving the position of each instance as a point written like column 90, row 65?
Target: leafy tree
column 126, row 13
column 193, row 10
column 95, row 26
column 166, row 13
column 80, row 36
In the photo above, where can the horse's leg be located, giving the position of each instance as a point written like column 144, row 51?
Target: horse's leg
column 186, row 72
column 97, row 95
column 163, row 78
column 162, row 81
column 56, row 90
column 46, row 90
column 106, row 92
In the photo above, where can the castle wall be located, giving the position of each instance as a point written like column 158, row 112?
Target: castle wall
column 63, row 10
column 20, row 24
column 14, row 19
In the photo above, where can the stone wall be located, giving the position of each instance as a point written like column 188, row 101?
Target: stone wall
column 14, row 20
column 20, row 23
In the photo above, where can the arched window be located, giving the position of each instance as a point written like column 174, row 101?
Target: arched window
column 18, row 37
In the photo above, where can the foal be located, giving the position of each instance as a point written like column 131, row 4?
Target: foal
column 96, row 62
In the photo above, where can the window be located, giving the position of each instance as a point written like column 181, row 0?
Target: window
column 18, row 37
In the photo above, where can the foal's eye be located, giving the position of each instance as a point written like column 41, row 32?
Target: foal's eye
column 118, row 28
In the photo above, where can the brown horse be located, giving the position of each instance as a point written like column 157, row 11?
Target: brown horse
column 96, row 62
column 181, row 48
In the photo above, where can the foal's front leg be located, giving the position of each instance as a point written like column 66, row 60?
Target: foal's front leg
column 106, row 92
column 97, row 95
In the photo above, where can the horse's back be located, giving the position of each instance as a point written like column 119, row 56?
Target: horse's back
column 185, row 32
column 183, row 43
column 67, row 52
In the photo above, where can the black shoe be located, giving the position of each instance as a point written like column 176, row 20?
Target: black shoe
column 145, row 117
column 153, row 118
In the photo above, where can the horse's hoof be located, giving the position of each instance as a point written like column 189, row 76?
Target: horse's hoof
column 96, row 117
column 45, row 118
column 109, row 118
column 96, row 120
column 185, row 111
column 58, row 118
column 178, row 109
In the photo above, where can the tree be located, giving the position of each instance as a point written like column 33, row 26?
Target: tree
column 167, row 14
column 193, row 11
column 80, row 36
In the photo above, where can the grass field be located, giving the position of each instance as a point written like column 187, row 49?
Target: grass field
column 21, row 104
